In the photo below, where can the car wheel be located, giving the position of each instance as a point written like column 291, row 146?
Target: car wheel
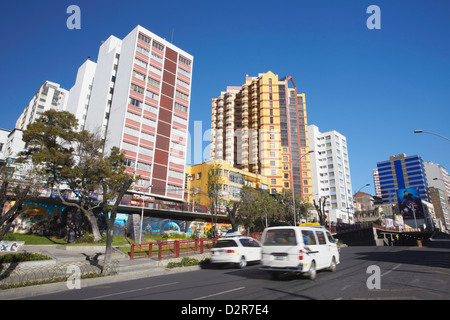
column 242, row 263
column 332, row 267
column 312, row 271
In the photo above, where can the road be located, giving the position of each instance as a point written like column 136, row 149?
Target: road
column 405, row 273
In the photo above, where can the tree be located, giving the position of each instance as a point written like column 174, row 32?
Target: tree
column 85, row 176
column 49, row 141
column 19, row 189
column 214, row 193
column 115, row 184
column 320, row 207
column 232, row 210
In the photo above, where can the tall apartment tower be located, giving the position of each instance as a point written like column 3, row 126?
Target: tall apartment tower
column 437, row 177
column 139, row 101
column 49, row 96
column 330, row 171
column 80, row 93
column 261, row 127
column 402, row 172
column 376, row 182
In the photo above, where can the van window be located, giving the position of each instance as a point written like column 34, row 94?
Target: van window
column 308, row 237
column 280, row 237
column 321, row 237
column 248, row 242
column 225, row 243
column 330, row 237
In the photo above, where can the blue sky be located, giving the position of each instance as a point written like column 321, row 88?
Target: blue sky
column 373, row 86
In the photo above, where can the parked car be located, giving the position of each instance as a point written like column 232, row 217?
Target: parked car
column 300, row 249
column 236, row 249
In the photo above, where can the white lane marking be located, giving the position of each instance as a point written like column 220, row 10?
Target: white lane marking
column 219, row 293
column 389, row 271
column 130, row 291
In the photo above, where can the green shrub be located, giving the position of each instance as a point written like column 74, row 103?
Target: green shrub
column 89, row 238
column 22, row 257
column 185, row 262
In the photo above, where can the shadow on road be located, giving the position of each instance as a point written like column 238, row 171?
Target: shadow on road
column 416, row 256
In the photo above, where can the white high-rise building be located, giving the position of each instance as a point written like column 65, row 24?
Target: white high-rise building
column 80, row 93
column 437, row 177
column 139, row 102
column 49, row 96
column 330, row 172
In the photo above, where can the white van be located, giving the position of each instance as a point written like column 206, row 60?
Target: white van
column 302, row 249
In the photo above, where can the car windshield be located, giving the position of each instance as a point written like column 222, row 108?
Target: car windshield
column 280, row 237
column 225, row 243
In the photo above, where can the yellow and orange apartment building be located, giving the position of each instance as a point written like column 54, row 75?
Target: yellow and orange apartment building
column 259, row 131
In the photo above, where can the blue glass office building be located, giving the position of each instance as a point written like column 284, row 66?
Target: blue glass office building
column 401, row 172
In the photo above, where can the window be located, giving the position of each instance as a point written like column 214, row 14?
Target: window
column 144, row 166
column 133, row 117
column 181, row 95
column 154, row 70
column 280, row 237
column 131, row 131
column 308, row 237
column 180, row 107
column 180, row 120
column 152, row 95
column 142, row 50
column 135, row 103
column 144, row 38
column 321, row 237
column 149, row 122
column 137, row 88
column 139, row 75
column 158, row 46
column 273, row 181
column 184, row 72
column 129, row 146
column 129, row 163
column 157, row 58
column 174, row 189
column 183, row 83
column 141, row 63
column 154, row 82
column 147, row 137
column 176, row 174
column 184, row 60
column 145, row 151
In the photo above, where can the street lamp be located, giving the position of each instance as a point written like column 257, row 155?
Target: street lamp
column 421, row 131
column 293, row 193
column 142, row 212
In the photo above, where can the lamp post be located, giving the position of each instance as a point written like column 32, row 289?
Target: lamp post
column 293, row 193
column 421, row 131
column 142, row 213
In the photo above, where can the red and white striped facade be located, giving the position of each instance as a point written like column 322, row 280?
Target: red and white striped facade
column 140, row 101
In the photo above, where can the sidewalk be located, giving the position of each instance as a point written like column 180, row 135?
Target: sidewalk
column 65, row 255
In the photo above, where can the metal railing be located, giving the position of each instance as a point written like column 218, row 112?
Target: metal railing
column 171, row 248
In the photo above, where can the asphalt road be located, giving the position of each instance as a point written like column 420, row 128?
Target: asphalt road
column 365, row 273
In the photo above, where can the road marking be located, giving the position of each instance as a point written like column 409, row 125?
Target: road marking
column 397, row 266
column 129, row 291
column 219, row 293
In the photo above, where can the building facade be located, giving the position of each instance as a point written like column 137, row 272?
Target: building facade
column 261, row 127
column 230, row 180
column 139, row 102
column 402, row 172
column 330, row 171
column 49, row 96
